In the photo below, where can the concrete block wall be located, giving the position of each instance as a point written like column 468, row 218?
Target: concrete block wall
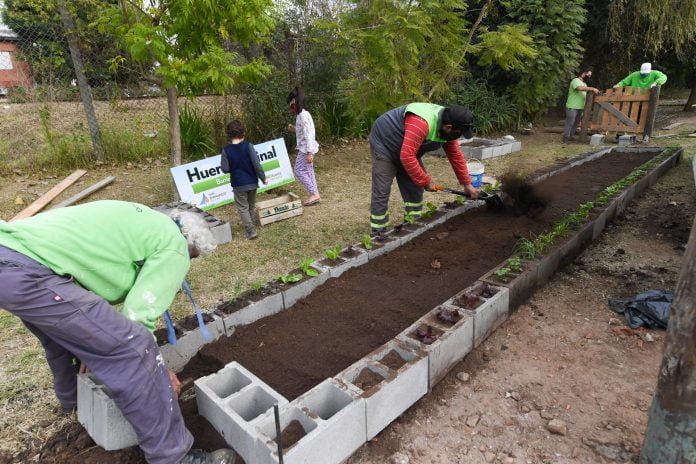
column 490, row 314
column 256, row 310
column 333, row 417
column 346, row 263
column 454, row 342
column 100, row 416
column 235, row 402
column 302, row 289
column 399, row 389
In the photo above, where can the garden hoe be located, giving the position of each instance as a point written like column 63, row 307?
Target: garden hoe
column 493, row 200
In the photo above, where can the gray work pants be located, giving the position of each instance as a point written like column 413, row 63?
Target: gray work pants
column 246, row 205
column 572, row 121
column 384, row 170
column 73, row 322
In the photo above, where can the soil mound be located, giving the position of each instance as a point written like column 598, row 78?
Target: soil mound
column 523, row 197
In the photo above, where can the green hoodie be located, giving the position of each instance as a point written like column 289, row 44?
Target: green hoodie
column 636, row 80
column 123, row 252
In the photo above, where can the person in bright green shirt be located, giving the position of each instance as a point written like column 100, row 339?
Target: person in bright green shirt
column 575, row 104
column 646, row 78
column 61, row 272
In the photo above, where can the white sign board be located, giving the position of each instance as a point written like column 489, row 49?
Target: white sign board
column 203, row 184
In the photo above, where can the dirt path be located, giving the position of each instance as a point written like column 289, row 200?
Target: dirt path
column 561, row 356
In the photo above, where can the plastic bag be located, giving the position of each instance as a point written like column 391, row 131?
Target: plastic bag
column 650, row 309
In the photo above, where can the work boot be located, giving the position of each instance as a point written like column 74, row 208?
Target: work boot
column 221, row 456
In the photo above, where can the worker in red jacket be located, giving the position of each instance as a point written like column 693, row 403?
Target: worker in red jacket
column 399, row 138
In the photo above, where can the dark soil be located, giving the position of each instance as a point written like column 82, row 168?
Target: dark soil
column 523, row 197
column 427, row 334
column 350, row 252
column 233, row 306
column 161, row 335
column 327, row 262
column 367, row 379
column 404, row 229
column 271, row 288
column 393, row 360
column 191, row 322
column 476, row 144
column 347, row 318
column 485, row 290
column 448, row 316
column 292, row 434
column 468, row 301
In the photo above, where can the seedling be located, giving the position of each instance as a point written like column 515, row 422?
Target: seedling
column 367, row 242
column 332, row 253
column 515, row 264
column 290, row 278
column 410, row 219
column 430, row 211
column 544, row 241
column 503, row 274
column 526, row 249
column 306, row 266
column 256, row 285
column 459, row 199
column 560, row 229
column 488, row 188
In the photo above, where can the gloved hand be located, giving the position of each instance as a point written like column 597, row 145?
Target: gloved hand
column 653, row 85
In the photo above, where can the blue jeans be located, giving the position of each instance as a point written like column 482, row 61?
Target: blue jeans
column 72, row 322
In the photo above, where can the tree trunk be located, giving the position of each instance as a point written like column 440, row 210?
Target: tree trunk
column 671, row 433
column 85, row 90
column 174, row 131
column 691, row 101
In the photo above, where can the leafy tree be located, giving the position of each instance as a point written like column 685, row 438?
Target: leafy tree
column 411, row 51
column 185, row 41
column 665, row 28
column 555, row 27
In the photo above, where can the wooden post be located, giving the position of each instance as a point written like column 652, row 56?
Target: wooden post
column 47, row 197
column 586, row 116
column 652, row 112
column 671, row 433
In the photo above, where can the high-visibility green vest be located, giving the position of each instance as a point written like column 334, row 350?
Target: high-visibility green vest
column 431, row 113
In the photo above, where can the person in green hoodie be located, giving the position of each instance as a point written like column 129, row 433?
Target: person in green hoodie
column 61, row 272
column 646, row 78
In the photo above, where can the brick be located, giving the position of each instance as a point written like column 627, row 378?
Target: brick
column 399, row 390
column 100, row 416
column 333, row 415
column 235, row 402
column 453, row 344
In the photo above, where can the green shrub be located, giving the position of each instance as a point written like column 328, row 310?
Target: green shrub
column 196, row 136
column 492, row 112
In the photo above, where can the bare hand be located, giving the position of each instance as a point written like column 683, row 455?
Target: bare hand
column 596, row 91
column 473, row 192
column 291, row 128
column 83, row 368
column 431, row 187
column 310, row 158
column 176, row 385
column 265, row 182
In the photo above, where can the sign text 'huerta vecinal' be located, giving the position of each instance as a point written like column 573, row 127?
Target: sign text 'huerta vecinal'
column 203, row 184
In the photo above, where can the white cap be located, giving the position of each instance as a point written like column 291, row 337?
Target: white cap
column 645, row 68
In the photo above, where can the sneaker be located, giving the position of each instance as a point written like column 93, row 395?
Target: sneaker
column 221, row 456
column 67, row 410
column 252, row 236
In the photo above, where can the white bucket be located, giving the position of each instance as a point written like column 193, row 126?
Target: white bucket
column 476, row 174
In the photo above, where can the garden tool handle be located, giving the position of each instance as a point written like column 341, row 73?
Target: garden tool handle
column 440, row 188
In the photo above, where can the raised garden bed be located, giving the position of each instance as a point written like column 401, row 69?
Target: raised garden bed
column 344, row 319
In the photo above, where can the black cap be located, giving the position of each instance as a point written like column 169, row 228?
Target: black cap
column 462, row 119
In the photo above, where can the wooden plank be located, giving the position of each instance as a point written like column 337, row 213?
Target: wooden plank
column 635, row 111
column 622, row 118
column 603, row 115
column 652, row 112
column 279, row 217
column 47, row 197
column 625, row 98
column 85, row 193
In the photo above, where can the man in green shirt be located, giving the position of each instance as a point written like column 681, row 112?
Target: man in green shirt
column 63, row 269
column 646, row 78
column 575, row 104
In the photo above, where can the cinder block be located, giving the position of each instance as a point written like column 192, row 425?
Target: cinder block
column 100, row 416
column 490, row 314
column 235, row 402
column 442, row 216
column 347, row 263
column 256, row 310
column 399, row 389
column 626, row 140
column 455, row 341
column 296, row 292
column 176, row 356
column 333, row 417
column 220, row 229
column 522, row 286
column 390, row 244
